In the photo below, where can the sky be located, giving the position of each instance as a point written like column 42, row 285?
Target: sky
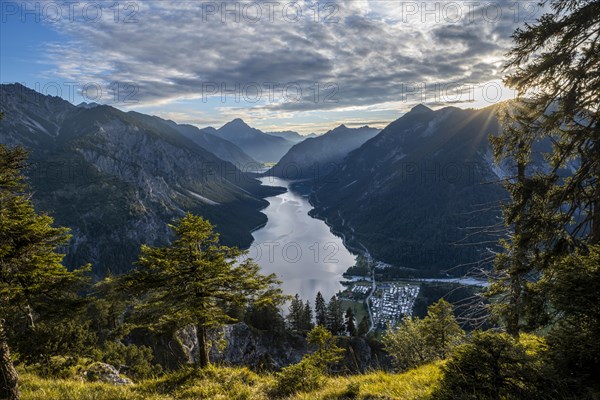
column 304, row 65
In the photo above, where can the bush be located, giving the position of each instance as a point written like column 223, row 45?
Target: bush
column 328, row 352
column 419, row 341
column 60, row 367
column 309, row 374
column 133, row 361
column 575, row 340
column 47, row 340
column 497, row 366
column 351, row 392
column 302, row 377
column 406, row 345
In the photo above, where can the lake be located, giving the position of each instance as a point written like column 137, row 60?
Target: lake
column 301, row 250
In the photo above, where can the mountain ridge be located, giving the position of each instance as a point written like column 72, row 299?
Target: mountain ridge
column 257, row 144
column 316, row 157
column 117, row 179
column 405, row 194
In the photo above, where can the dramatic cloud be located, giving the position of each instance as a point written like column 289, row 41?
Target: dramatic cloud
column 278, row 59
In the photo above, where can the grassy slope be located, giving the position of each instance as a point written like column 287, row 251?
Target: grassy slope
column 231, row 384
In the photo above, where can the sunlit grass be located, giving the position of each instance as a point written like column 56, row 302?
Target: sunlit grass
column 411, row 385
column 234, row 384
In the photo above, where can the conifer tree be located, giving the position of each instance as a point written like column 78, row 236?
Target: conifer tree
column 363, row 326
column 295, row 315
column 350, row 324
column 553, row 67
column 335, row 316
column 320, row 310
column 327, row 352
column 194, row 280
column 524, row 216
column 575, row 337
column 550, row 262
column 307, row 317
column 31, row 274
column 440, row 329
column 266, row 317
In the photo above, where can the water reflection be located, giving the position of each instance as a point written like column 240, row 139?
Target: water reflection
column 301, row 250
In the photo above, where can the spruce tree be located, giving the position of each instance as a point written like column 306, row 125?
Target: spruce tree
column 350, row 324
column 320, row 310
column 525, row 217
column 295, row 315
column 553, row 67
column 194, row 281
column 32, row 277
column 335, row 316
column 555, row 64
column 363, row 326
column 266, row 317
column 440, row 329
column 307, row 317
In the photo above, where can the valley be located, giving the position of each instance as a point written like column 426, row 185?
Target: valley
column 306, row 210
column 313, row 200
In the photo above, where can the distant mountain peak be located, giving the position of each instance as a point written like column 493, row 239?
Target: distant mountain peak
column 340, row 128
column 83, row 104
column 419, row 108
column 237, row 122
column 22, row 89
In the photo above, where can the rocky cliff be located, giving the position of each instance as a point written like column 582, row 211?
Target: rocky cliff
column 242, row 345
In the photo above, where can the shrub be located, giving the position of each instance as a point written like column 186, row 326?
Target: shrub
column 60, row 367
column 352, row 391
column 302, row 377
column 419, row 341
column 575, row 340
column 309, row 374
column 47, row 340
column 497, row 366
column 134, row 361
column 327, row 352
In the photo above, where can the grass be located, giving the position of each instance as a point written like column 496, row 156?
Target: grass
column 412, row 385
column 234, row 384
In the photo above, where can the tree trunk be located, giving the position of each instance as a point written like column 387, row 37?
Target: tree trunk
column 518, row 268
column 203, row 358
column 9, row 378
column 595, row 229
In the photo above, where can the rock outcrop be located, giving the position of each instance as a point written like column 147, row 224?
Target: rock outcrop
column 106, row 373
column 242, row 345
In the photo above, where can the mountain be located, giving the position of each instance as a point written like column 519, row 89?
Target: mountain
column 117, row 180
column 83, row 104
column 316, row 157
column 209, row 129
column 257, row 144
column 292, row 136
column 415, row 194
column 206, row 139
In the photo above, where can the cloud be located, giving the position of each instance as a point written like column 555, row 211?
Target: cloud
column 367, row 52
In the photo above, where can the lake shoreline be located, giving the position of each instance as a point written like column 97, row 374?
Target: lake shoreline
column 301, row 249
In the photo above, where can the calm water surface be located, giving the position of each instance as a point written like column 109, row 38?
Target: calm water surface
column 301, row 250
